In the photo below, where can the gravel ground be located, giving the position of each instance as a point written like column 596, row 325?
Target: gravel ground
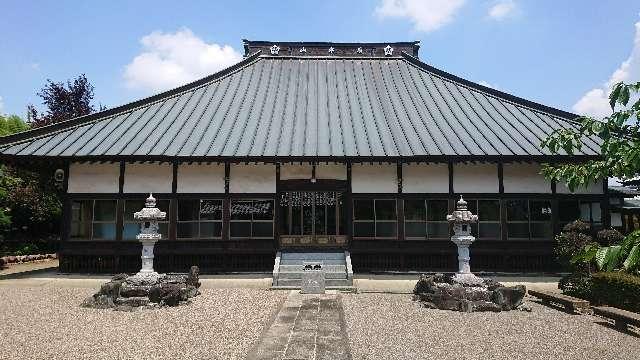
column 47, row 323
column 385, row 326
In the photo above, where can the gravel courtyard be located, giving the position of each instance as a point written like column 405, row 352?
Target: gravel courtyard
column 46, row 323
column 384, row 326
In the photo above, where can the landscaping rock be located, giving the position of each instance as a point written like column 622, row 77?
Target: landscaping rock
column 509, row 298
column 12, row 259
column 147, row 290
column 193, row 278
column 466, row 293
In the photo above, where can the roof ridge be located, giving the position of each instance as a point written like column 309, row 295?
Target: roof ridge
column 108, row 113
column 532, row 105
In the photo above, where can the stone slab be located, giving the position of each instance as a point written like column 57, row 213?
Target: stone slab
column 306, row 327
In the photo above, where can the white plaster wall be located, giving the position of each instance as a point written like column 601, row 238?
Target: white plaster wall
column 616, row 219
column 524, row 178
column 146, row 178
column 475, row 178
column 200, row 178
column 292, row 171
column 596, row 188
column 93, row 178
column 252, row 179
column 331, row 171
column 425, row 178
column 375, row 178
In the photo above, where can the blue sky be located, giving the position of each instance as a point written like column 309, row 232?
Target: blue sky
column 554, row 52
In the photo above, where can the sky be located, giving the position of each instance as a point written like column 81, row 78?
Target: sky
column 564, row 54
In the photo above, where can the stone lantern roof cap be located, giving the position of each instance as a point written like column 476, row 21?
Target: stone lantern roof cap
column 150, row 212
column 462, row 215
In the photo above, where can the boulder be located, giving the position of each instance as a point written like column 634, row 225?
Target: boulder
column 510, row 297
column 127, row 290
column 2, row 262
column 167, row 294
column 98, row 302
column 466, row 293
column 110, row 289
column 193, row 279
column 135, row 301
column 12, row 259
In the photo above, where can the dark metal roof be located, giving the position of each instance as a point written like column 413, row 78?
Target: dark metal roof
column 310, row 107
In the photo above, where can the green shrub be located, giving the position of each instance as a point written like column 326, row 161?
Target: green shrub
column 577, row 284
column 617, row 289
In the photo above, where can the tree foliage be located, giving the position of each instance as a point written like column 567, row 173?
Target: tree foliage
column 11, row 124
column 63, row 101
column 29, row 204
column 619, row 149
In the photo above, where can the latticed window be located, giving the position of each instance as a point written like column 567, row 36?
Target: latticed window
column 588, row 211
column 93, row 220
column 251, row 219
column 199, row 219
column 529, row 219
column 426, row 219
column 375, row 218
column 488, row 225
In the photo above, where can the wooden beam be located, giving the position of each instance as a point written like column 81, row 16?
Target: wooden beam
column 451, row 189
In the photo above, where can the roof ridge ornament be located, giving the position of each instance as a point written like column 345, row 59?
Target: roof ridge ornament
column 275, row 49
column 388, row 50
column 302, row 50
column 359, row 50
column 332, row 50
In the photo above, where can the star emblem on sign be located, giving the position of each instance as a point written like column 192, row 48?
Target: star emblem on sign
column 275, row 49
column 388, row 50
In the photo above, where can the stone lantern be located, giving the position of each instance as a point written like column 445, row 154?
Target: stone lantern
column 462, row 220
column 149, row 235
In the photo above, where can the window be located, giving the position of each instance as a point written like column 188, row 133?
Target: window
column 93, row 220
column 199, row 219
column 426, row 219
column 589, row 211
column 488, row 225
column 529, row 219
column 375, row 218
column 131, row 227
column 251, row 219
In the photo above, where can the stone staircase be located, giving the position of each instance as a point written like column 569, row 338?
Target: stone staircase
column 287, row 271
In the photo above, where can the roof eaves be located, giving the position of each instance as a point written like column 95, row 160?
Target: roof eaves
column 565, row 115
column 67, row 124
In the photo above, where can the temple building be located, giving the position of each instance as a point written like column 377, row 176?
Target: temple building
column 357, row 151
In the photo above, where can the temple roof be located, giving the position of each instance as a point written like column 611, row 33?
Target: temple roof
column 281, row 106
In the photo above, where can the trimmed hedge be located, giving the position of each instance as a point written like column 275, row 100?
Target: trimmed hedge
column 617, row 289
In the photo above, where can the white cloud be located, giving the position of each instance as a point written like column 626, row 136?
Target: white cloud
column 596, row 101
column 1, row 106
column 489, row 85
column 172, row 59
column 502, row 9
column 426, row 15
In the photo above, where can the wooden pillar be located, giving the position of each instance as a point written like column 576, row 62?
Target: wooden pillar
column 65, row 226
column 400, row 204
column 277, row 212
column 349, row 207
column 226, row 214
column 173, row 204
column 118, row 253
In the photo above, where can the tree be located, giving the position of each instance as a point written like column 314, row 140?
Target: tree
column 63, row 102
column 620, row 147
column 29, row 204
column 11, row 124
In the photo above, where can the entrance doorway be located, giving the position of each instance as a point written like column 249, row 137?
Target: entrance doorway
column 312, row 219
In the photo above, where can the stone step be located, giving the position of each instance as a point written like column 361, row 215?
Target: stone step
column 298, row 275
column 337, row 255
column 300, row 267
column 295, row 283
